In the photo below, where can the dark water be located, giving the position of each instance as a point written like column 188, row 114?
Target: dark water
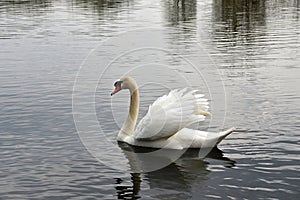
column 245, row 56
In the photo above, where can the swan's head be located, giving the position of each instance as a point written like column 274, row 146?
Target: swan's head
column 124, row 83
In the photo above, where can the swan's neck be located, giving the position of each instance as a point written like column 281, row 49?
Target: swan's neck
column 130, row 122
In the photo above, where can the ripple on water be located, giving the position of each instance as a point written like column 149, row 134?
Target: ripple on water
column 256, row 50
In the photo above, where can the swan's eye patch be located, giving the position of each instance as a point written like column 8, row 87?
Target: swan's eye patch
column 118, row 83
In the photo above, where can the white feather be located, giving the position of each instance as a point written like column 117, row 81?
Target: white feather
column 171, row 113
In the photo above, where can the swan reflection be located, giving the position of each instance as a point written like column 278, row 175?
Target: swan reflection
column 177, row 177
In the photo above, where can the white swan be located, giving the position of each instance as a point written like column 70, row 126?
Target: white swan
column 164, row 124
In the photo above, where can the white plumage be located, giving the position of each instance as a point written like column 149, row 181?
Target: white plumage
column 164, row 125
column 170, row 113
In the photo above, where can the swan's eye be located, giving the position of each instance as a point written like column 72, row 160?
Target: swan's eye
column 118, row 83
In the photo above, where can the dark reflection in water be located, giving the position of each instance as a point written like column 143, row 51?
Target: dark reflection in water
column 19, row 17
column 129, row 191
column 181, row 25
column 180, row 11
column 240, row 15
column 238, row 21
column 237, row 27
column 177, row 177
column 25, row 3
column 103, row 7
column 24, row 6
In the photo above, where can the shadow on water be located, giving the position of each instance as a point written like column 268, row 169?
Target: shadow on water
column 178, row 175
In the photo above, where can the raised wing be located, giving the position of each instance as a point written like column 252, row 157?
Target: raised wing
column 170, row 113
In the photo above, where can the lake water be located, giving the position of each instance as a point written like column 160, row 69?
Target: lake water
column 59, row 60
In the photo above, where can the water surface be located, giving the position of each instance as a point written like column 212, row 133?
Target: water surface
column 245, row 57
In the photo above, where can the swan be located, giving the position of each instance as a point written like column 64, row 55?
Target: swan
column 164, row 125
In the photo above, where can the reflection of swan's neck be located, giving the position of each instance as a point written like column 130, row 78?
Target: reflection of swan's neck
column 130, row 122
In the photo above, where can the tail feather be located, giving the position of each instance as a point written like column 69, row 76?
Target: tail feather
column 225, row 133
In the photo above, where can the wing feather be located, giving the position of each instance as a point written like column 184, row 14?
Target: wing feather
column 170, row 113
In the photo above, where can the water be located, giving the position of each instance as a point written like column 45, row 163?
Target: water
column 244, row 56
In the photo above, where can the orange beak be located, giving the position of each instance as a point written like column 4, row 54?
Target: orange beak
column 117, row 89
